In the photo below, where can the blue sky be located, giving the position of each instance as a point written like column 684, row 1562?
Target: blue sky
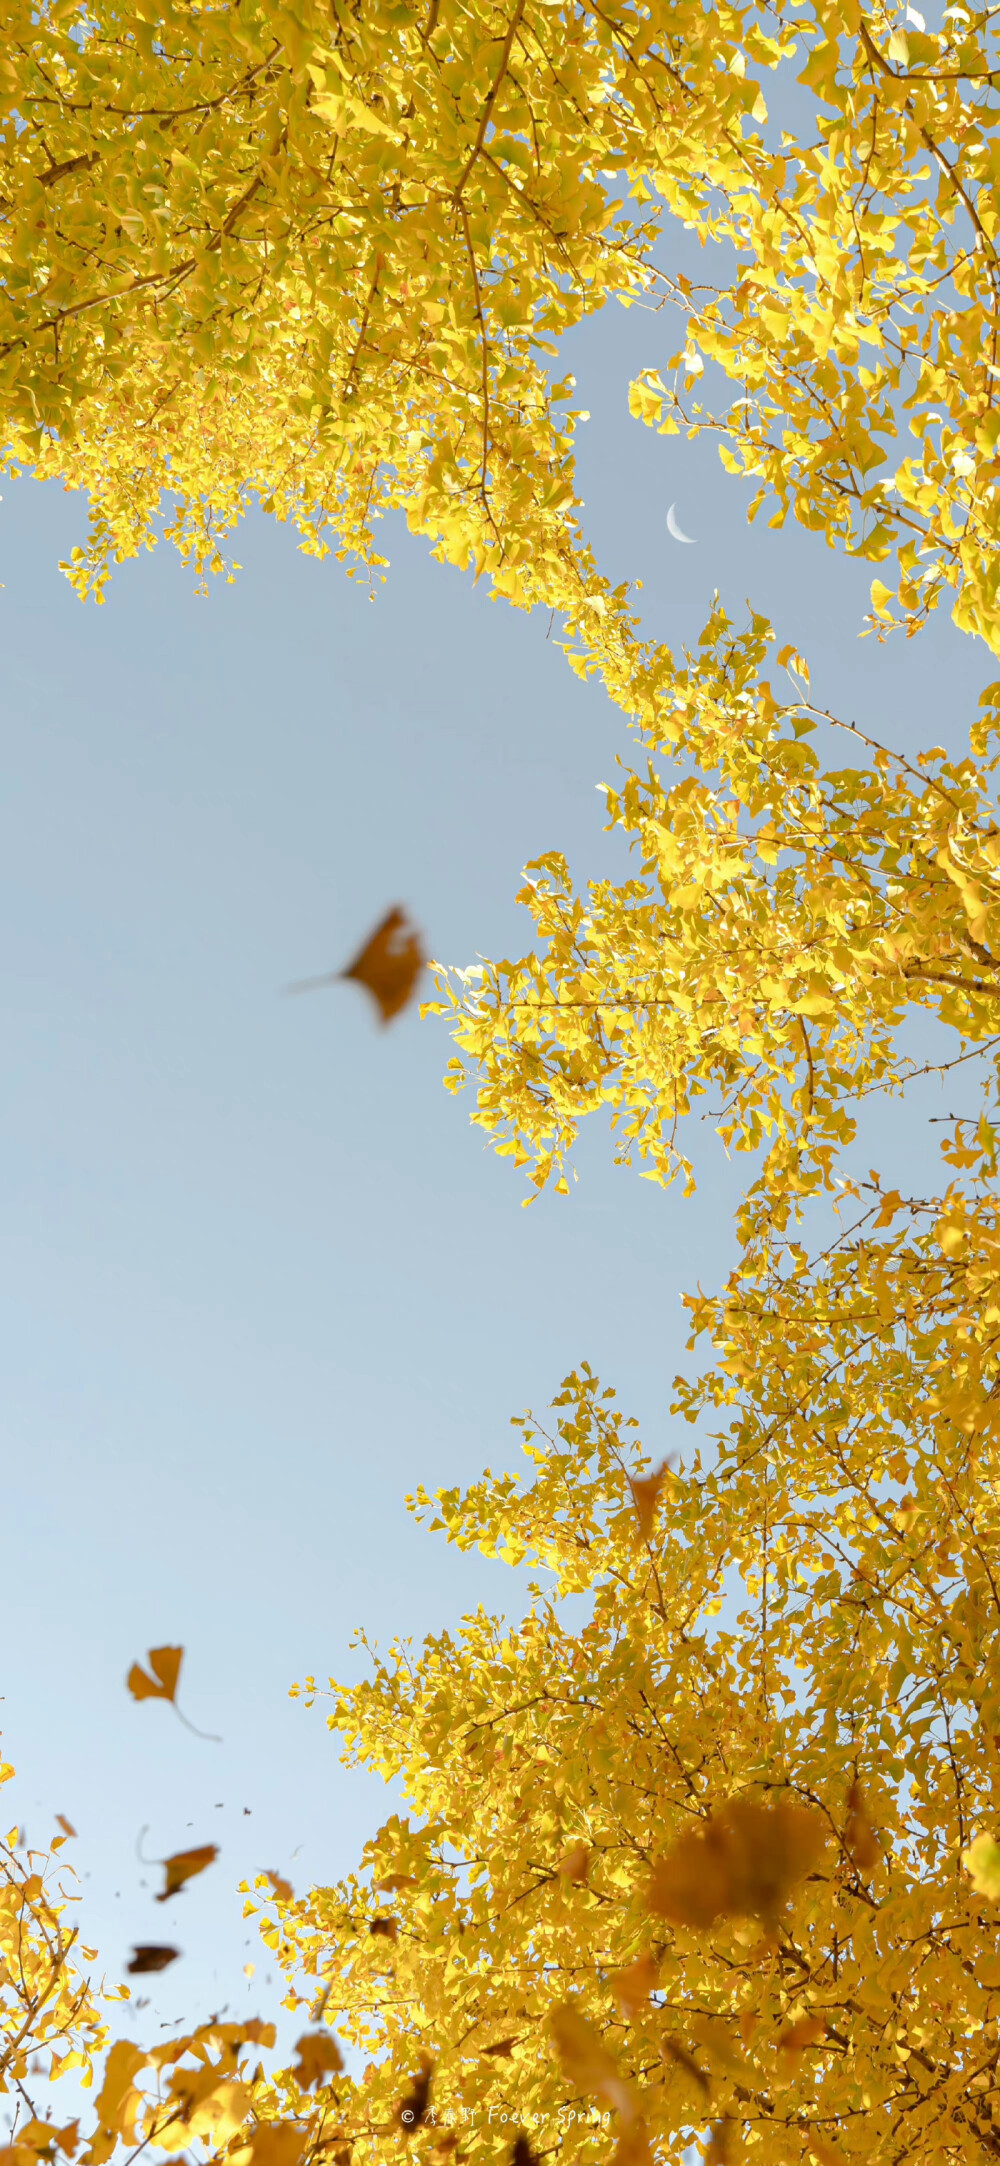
column 260, row 1277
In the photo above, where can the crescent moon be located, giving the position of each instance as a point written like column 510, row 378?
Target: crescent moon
column 674, row 529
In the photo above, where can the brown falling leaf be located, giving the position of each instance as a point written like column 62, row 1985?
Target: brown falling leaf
column 859, row 1835
column 586, row 2060
column 672, row 2049
column 633, row 2147
column 318, row 2055
column 522, row 2154
column 721, row 2143
column 745, row 1863
column 412, row 2110
column 633, row 1985
column 393, row 1882
column 384, row 1929
column 574, row 1862
column 805, row 2031
column 165, row 1664
column 645, row 1496
column 66, row 1825
column 160, row 1683
column 277, row 2143
column 183, row 1866
column 503, row 2049
column 150, row 1956
column 388, row 965
column 282, row 1888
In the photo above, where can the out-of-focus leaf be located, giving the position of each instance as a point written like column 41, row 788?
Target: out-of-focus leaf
column 165, row 1665
column 586, row 2059
column 746, row 1862
column 982, row 1863
column 183, row 1866
column 412, row 2110
column 318, row 2056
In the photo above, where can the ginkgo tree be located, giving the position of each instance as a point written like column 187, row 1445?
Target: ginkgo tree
column 705, row 1845
column 322, row 258
column 703, row 1848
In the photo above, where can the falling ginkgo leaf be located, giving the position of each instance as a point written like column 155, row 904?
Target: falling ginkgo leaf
column 633, row 1985
column 522, row 2154
column 805, row 2031
column 502, row 2049
column 66, row 1825
column 165, row 1666
column 393, row 1882
column 574, row 1862
column 673, row 2050
column 586, row 2060
column 388, row 965
column 277, row 2143
column 633, row 2147
column 859, row 1838
column 318, row 2055
column 744, row 1863
column 982, row 1863
column 412, row 2111
column 645, row 1496
column 183, row 1866
column 384, row 1928
column 150, row 1956
column 282, row 1888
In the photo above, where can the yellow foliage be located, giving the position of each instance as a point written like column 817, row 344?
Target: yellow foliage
column 705, row 1842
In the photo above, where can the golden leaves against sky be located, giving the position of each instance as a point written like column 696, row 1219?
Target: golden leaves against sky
column 388, row 966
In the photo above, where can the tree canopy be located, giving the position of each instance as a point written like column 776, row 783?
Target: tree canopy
column 705, row 1844
column 322, row 258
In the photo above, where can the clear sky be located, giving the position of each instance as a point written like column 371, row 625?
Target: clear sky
column 260, row 1277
